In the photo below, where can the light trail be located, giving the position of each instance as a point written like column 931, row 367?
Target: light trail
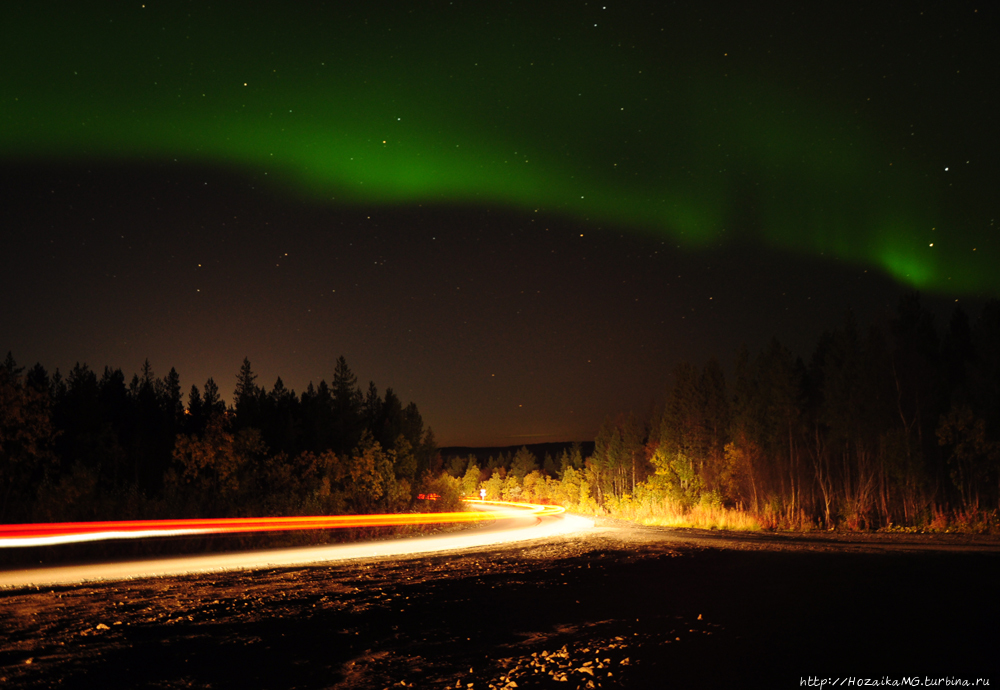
column 501, row 523
column 536, row 509
column 42, row 534
column 50, row 533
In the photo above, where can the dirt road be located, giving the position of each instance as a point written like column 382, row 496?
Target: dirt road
column 620, row 606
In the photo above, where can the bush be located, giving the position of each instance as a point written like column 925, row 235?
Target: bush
column 448, row 490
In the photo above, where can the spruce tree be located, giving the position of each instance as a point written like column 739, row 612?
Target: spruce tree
column 246, row 397
column 212, row 401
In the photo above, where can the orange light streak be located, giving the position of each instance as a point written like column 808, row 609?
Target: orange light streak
column 46, row 533
column 534, row 508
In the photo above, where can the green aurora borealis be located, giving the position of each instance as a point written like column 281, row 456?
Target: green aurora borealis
column 633, row 121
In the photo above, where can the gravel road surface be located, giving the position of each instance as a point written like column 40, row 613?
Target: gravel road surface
column 619, row 606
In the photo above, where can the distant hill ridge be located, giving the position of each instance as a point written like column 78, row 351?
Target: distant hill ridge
column 483, row 454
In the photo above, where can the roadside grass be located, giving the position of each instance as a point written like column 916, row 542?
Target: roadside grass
column 663, row 512
column 971, row 521
column 667, row 513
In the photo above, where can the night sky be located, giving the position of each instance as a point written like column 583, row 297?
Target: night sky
column 520, row 216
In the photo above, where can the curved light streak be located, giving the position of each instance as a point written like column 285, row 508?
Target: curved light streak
column 515, row 522
column 536, row 509
column 51, row 533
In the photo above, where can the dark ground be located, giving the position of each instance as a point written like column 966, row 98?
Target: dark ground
column 622, row 606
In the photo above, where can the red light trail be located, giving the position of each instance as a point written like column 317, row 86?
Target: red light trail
column 506, row 523
column 49, row 533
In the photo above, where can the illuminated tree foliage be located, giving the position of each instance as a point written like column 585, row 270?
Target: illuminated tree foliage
column 885, row 426
column 618, row 459
column 896, row 424
column 867, row 435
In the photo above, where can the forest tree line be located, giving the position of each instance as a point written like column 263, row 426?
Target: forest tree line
column 92, row 447
column 892, row 425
